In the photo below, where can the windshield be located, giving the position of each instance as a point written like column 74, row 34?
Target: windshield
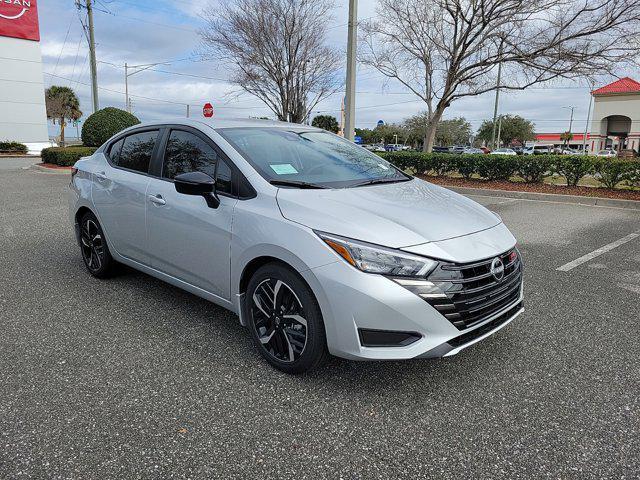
column 311, row 157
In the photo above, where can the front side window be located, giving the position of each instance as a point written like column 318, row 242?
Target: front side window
column 136, row 151
column 309, row 156
column 186, row 152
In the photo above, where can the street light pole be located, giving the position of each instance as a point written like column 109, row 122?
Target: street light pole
column 126, row 87
column 570, row 107
column 135, row 69
column 586, row 126
column 350, row 109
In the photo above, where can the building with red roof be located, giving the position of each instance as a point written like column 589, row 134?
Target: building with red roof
column 615, row 121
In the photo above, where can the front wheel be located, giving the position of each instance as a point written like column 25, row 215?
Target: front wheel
column 285, row 320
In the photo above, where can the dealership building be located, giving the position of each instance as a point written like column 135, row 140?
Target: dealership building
column 615, row 121
column 23, row 115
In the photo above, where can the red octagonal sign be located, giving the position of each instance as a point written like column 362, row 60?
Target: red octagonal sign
column 207, row 110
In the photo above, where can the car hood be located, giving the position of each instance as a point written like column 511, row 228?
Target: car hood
column 394, row 215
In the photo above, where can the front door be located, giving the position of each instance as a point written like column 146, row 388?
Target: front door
column 119, row 193
column 187, row 239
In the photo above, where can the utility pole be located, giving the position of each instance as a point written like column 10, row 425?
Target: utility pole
column 92, row 54
column 499, row 129
column 188, row 107
column 495, row 106
column 350, row 99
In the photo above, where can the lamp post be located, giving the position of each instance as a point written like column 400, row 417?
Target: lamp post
column 135, row 69
column 570, row 107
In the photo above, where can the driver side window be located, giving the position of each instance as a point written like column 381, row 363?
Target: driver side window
column 186, row 152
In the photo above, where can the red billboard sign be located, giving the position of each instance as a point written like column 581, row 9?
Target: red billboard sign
column 19, row 19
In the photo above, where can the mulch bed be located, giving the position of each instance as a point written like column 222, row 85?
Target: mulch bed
column 53, row 167
column 534, row 187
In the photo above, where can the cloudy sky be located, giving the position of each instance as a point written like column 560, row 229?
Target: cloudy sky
column 164, row 31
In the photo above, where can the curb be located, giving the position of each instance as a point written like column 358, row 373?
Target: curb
column 52, row 171
column 550, row 197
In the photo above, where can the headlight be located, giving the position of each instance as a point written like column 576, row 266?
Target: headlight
column 374, row 259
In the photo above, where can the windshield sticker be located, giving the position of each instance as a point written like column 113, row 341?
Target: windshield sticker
column 283, row 169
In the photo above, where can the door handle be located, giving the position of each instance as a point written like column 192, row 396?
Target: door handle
column 157, row 199
column 101, row 176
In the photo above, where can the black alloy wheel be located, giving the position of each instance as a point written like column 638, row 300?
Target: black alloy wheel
column 285, row 320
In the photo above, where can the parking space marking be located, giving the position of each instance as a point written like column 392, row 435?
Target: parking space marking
column 596, row 253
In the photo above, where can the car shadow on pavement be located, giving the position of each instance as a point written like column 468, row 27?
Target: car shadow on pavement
column 199, row 325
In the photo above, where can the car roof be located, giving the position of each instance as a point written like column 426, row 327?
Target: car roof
column 217, row 123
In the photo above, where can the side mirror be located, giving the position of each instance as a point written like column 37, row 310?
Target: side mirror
column 198, row 183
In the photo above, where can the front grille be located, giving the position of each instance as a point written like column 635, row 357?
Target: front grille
column 471, row 291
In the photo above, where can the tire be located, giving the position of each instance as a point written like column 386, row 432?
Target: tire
column 291, row 336
column 94, row 248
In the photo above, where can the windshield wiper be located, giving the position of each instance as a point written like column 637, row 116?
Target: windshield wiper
column 375, row 181
column 294, row 183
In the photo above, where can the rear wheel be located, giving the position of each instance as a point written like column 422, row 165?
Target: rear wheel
column 93, row 246
column 285, row 320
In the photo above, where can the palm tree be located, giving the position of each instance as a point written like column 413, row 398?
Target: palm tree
column 62, row 105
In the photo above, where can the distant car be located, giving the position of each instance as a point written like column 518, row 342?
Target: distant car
column 537, row 150
column 485, row 149
column 396, row 147
column 518, row 150
column 440, row 149
column 456, row 149
column 571, row 151
column 609, row 153
column 375, row 148
column 503, row 151
column 472, row 151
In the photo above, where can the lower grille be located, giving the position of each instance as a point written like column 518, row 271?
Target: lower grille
column 487, row 327
column 474, row 291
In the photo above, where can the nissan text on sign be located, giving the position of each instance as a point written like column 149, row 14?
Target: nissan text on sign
column 22, row 110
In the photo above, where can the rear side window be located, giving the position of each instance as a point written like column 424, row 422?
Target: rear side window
column 114, row 151
column 136, row 151
column 186, row 152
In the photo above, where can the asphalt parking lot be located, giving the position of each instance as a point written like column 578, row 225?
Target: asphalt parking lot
column 133, row 378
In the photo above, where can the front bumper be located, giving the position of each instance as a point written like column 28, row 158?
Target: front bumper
column 351, row 300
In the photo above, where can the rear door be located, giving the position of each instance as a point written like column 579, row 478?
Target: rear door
column 187, row 239
column 119, row 192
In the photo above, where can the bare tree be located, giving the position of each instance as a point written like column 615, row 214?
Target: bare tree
column 277, row 52
column 444, row 50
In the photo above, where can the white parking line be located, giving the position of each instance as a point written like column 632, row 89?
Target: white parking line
column 596, row 253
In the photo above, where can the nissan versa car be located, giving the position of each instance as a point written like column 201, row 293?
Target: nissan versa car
column 320, row 246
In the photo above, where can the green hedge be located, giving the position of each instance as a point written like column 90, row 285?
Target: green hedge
column 13, row 147
column 65, row 156
column 531, row 168
column 104, row 124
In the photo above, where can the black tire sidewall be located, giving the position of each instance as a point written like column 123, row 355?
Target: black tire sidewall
column 315, row 350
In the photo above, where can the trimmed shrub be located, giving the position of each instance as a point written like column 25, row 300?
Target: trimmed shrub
column 572, row 167
column 65, row 156
column 497, row 167
column 613, row 171
column 533, row 168
column 13, row 147
column 104, row 124
column 467, row 165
